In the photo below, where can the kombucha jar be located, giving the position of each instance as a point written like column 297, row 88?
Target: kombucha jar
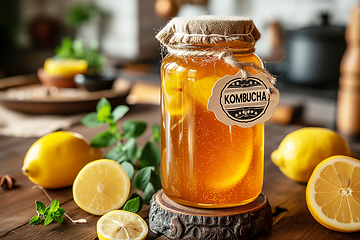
column 206, row 163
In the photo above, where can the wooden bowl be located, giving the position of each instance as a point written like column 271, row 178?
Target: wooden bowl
column 55, row 81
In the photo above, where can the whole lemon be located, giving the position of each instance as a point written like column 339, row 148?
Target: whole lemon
column 302, row 150
column 54, row 160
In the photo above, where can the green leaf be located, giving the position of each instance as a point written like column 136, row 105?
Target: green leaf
column 131, row 150
column 91, row 120
column 133, row 128
column 49, row 218
column 59, row 219
column 47, row 211
column 156, row 133
column 117, row 154
column 104, row 139
column 54, row 206
column 61, row 211
column 142, row 178
column 136, row 195
column 40, row 207
column 119, row 112
column 35, row 220
column 103, row 109
column 150, row 155
column 133, row 205
column 148, row 193
column 156, row 181
column 129, row 169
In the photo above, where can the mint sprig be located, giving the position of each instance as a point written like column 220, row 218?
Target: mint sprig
column 140, row 164
column 54, row 211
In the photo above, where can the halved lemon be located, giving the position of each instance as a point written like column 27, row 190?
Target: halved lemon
column 101, row 186
column 119, row 224
column 333, row 193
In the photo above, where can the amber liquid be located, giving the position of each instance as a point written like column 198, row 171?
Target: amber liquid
column 205, row 163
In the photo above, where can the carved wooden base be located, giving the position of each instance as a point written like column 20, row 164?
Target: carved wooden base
column 181, row 222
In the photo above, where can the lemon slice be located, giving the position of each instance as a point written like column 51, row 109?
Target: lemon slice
column 333, row 194
column 174, row 95
column 233, row 172
column 101, row 186
column 203, row 89
column 119, row 224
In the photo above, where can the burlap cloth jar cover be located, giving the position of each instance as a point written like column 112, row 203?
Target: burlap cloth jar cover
column 181, row 32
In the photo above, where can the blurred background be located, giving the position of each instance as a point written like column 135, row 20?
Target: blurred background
column 302, row 40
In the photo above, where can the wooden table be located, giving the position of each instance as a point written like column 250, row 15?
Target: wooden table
column 291, row 218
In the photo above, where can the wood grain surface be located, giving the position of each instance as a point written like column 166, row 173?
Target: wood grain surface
column 291, row 218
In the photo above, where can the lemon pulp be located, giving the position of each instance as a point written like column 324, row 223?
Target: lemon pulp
column 333, row 194
column 101, row 186
column 120, row 224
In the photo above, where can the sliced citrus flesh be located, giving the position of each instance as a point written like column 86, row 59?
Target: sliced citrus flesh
column 231, row 173
column 101, row 186
column 333, row 193
column 203, row 89
column 174, row 94
column 119, row 224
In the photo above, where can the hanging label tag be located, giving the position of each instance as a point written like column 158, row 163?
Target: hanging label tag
column 243, row 102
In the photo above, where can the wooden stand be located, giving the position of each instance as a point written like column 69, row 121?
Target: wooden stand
column 181, row 222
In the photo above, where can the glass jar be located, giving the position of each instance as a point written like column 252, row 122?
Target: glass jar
column 204, row 162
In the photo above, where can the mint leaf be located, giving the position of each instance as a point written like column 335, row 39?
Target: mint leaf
column 91, row 120
column 49, row 218
column 129, row 169
column 131, row 150
column 117, row 154
column 35, row 220
column 104, row 139
column 142, row 178
column 59, row 219
column 54, row 206
column 136, row 195
column 40, row 207
column 156, row 181
column 150, row 155
column 119, row 112
column 133, row 205
column 47, row 211
column 103, row 109
column 61, row 211
column 133, row 128
column 148, row 192
column 156, row 133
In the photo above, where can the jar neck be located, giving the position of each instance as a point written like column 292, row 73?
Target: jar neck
column 234, row 48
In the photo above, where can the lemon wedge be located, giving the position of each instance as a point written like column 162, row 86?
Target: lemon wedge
column 101, row 186
column 333, row 194
column 119, row 224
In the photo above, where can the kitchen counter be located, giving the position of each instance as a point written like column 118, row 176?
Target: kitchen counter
column 291, row 218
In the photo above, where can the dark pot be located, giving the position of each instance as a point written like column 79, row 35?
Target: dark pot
column 313, row 54
column 95, row 82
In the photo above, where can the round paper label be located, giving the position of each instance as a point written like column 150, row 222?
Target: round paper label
column 243, row 102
